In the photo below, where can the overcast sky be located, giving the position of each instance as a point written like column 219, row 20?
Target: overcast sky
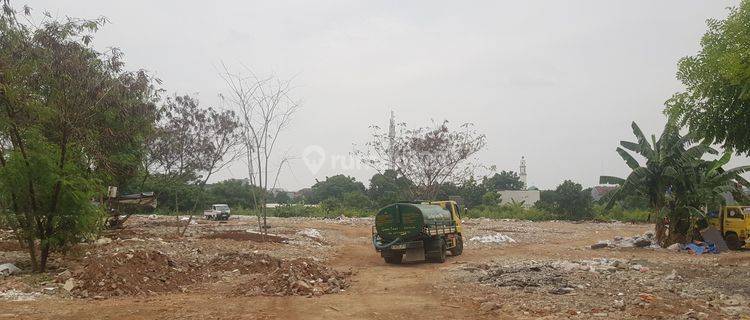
column 556, row 81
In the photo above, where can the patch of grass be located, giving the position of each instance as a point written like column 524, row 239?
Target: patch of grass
column 620, row 214
column 286, row 211
column 509, row 212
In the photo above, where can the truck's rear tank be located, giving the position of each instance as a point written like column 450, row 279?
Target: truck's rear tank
column 406, row 220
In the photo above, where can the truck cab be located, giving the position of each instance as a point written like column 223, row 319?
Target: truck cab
column 218, row 211
column 734, row 224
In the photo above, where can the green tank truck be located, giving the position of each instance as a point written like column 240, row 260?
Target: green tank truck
column 419, row 230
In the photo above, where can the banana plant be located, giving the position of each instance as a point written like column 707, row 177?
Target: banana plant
column 661, row 177
column 705, row 185
column 664, row 159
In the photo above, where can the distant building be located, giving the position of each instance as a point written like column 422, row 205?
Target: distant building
column 527, row 198
column 598, row 192
column 522, row 172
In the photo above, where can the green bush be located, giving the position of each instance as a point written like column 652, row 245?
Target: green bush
column 508, row 211
column 286, row 211
column 617, row 212
column 517, row 211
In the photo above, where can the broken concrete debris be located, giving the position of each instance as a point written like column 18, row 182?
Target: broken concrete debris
column 643, row 241
column 493, row 238
column 8, row 269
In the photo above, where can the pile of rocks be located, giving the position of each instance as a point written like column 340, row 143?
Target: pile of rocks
column 602, row 265
column 496, row 238
column 643, row 241
column 127, row 273
column 556, row 277
column 304, row 277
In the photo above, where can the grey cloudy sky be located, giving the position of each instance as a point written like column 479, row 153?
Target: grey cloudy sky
column 556, row 81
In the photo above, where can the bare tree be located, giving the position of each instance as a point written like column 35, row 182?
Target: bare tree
column 266, row 109
column 428, row 156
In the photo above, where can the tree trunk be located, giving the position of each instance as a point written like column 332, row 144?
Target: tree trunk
column 43, row 256
column 660, row 232
column 32, row 254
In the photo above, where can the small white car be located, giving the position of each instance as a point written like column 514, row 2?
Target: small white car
column 217, row 212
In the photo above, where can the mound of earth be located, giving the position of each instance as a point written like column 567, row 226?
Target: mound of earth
column 294, row 277
column 11, row 246
column 150, row 272
column 132, row 273
column 240, row 235
column 245, row 263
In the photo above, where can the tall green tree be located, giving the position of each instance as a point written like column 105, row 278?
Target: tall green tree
column 572, row 201
column 71, row 122
column 716, row 102
column 388, row 187
column 234, row 192
column 335, row 187
column 505, row 180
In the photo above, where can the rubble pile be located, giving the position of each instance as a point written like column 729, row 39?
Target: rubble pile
column 557, row 277
column 304, row 276
column 245, row 263
column 493, row 238
column 311, row 233
column 525, row 276
column 240, row 235
column 129, row 273
column 15, row 295
column 643, row 241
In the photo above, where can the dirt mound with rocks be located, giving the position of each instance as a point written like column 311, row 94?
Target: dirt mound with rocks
column 152, row 272
column 525, row 276
column 133, row 273
column 245, row 263
column 11, row 246
column 239, row 235
column 305, row 277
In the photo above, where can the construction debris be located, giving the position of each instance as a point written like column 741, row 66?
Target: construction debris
column 644, row 241
column 296, row 277
column 15, row 295
column 310, row 232
column 8, row 269
column 132, row 273
column 493, row 238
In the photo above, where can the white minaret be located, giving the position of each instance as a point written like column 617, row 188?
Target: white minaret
column 392, row 138
column 522, row 172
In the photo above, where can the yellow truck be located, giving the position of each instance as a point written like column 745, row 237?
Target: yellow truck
column 734, row 224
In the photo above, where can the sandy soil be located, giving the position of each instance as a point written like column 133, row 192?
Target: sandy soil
column 708, row 286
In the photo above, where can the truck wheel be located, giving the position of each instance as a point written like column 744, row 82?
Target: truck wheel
column 440, row 257
column 733, row 241
column 394, row 258
column 459, row 248
column 439, row 254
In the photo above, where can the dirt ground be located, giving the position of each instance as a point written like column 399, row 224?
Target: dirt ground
column 328, row 269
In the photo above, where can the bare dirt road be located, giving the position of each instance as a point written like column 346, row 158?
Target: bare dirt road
column 546, row 270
